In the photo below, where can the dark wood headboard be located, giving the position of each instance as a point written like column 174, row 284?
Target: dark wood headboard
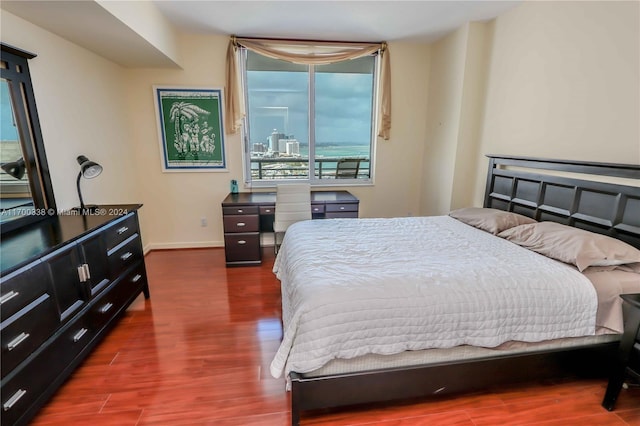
column 568, row 192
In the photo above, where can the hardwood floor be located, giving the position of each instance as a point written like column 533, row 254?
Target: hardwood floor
column 198, row 353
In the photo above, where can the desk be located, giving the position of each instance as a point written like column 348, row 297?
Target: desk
column 245, row 215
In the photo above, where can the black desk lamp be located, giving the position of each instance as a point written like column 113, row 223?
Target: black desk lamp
column 88, row 170
column 15, row 169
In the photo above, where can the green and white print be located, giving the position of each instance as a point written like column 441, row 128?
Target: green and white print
column 190, row 124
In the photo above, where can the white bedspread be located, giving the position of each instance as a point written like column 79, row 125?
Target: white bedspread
column 383, row 286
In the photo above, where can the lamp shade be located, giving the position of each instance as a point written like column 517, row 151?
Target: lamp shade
column 88, row 168
column 15, row 169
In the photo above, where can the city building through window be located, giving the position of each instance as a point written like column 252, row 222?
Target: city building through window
column 308, row 122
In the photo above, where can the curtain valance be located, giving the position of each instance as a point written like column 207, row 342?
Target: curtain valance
column 307, row 53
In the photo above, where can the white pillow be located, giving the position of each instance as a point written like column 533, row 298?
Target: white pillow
column 572, row 245
column 490, row 220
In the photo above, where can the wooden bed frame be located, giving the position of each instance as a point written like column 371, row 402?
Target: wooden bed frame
column 529, row 187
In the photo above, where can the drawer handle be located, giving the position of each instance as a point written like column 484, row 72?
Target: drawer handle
column 15, row 398
column 242, row 242
column 82, row 273
column 267, row 210
column 106, row 308
column 122, row 230
column 8, row 296
column 240, row 224
column 136, row 278
column 15, row 342
column 341, row 207
column 240, row 211
column 315, row 209
column 79, row 335
column 126, row 255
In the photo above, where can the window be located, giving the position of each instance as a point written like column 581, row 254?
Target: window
column 309, row 122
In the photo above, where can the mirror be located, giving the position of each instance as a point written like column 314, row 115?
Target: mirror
column 26, row 194
column 14, row 182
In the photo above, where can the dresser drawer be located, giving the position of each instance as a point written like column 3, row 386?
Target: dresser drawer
column 22, row 390
column 124, row 255
column 20, row 288
column 242, row 248
column 116, row 296
column 120, row 231
column 33, row 379
column 133, row 282
column 240, row 210
column 105, row 307
column 342, row 207
column 248, row 223
column 22, row 333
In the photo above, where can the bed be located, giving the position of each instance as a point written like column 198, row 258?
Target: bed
column 385, row 324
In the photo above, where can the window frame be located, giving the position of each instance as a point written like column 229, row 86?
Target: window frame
column 312, row 180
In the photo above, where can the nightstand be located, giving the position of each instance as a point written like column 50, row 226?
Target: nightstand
column 628, row 359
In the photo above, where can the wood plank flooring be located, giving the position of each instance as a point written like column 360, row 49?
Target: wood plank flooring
column 198, row 353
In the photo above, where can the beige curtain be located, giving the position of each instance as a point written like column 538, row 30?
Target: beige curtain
column 308, row 53
column 234, row 105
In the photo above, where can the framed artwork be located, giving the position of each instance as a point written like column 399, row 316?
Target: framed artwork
column 190, row 129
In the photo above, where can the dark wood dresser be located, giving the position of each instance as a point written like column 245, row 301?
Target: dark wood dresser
column 246, row 214
column 65, row 281
column 628, row 360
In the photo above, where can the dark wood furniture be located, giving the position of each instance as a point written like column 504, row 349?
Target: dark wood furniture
column 628, row 360
column 65, row 281
column 16, row 79
column 245, row 215
column 513, row 184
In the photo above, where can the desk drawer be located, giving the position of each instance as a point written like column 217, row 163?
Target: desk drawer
column 267, row 210
column 246, row 223
column 341, row 215
column 242, row 247
column 342, row 207
column 240, row 210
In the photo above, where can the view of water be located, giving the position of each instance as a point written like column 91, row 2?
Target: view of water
column 337, row 151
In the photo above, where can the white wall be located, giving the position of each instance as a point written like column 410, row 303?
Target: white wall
column 564, row 83
column 471, row 116
column 147, row 21
column 83, row 109
column 174, row 203
column 546, row 79
column 446, row 78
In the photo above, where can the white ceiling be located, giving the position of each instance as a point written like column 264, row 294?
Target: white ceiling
column 88, row 24
column 418, row 21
